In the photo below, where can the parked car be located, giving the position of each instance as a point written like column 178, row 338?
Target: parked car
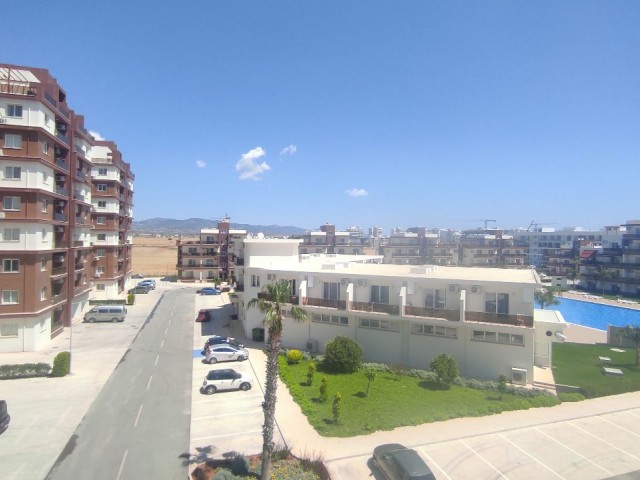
column 106, row 313
column 225, row 353
column 218, row 340
column 4, row 416
column 398, row 462
column 139, row 289
column 203, row 316
column 209, row 291
column 148, row 283
column 137, row 275
column 225, row 379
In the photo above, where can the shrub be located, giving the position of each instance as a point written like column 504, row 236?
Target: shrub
column 61, row 364
column 294, row 356
column 502, row 384
column 370, row 376
column 445, row 368
column 131, row 298
column 24, row 370
column 324, row 383
column 343, row 355
column 337, row 406
column 311, row 371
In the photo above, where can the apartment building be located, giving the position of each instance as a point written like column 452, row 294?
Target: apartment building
column 406, row 315
column 493, row 248
column 49, row 243
column 417, row 246
column 218, row 253
column 329, row 240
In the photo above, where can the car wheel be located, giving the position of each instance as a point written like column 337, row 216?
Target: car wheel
column 241, row 358
column 210, row 390
column 245, row 386
column 91, row 320
column 114, row 319
column 212, row 360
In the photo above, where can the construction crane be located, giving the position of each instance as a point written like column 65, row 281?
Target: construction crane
column 535, row 224
column 487, row 221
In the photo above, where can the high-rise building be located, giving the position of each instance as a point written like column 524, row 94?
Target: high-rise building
column 63, row 232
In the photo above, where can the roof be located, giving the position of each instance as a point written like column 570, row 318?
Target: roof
column 548, row 316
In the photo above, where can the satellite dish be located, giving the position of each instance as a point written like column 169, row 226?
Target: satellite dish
column 261, row 235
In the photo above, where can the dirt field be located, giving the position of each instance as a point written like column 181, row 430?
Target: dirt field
column 155, row 257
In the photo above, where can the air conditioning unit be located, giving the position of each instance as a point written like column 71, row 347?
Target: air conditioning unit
column 476, row 289
column 3, row 120
column 362, row 283
column 59, row 229
column 271, row 276
column 345, row 281
column 312, row 346
column 518, row 376
column 454, row 288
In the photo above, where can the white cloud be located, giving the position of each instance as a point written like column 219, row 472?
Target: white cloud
column 249, row 168
column 201, row 163
column 357, row 192
column 290, row 150
column 96, row 135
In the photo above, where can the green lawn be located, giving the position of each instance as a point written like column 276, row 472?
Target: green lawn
column 578, row 365
column 392, row 401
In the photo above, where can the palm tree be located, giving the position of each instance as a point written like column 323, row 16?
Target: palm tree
column 270, row 303
column 547, row 296
column 604, row 275
column 633, row 334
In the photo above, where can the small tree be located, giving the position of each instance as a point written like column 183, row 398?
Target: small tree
column 502, row 384
column 605, row 275
column 61, row 364
column 547, row 296
column 337, row 406
column 343, row 355
column 294, row 356
column 445, row 368
column 324, row 384
column 633, row 334
column 311, row 371
column 371, row 376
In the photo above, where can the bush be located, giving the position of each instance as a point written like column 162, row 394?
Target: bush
column 294, row 356
column 61, row 364
column 324, row 384
column 337, row 406
column 24, row 370
column 311, row 371
column 445, row 368
column 131, row 298
column 343, row 355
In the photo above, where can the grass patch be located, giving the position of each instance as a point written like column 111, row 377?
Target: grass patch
column 578, row 365
column 393, row 401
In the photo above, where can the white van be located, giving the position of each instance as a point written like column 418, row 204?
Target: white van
column 106, row 313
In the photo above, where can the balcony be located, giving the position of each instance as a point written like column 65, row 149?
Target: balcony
column 517, row 320
column 81, row 175
column 58, row 297
column 62, row 163
column 441, row 313
column 326, row 303
column 58, row 271
column 375, row 308
column 60, row 217
column 62, row 191
column 62, row 137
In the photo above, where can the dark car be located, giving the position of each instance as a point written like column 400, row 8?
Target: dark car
column 209, row 291
column 4, row 416
column 218, row 340
column 203, row 316
column 398, row 462
column 139, row 289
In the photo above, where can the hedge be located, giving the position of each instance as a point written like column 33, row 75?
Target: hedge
column 108, row 302
column 24, row 370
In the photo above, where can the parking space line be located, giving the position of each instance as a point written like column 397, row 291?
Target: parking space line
column 529, row 455
column 618, row 426
column 573, row 451
column 223, row 415
column 433, row 462
column 603, row 441
column 157, row 358
column 634, row 413
column 227, row 435
column 162, row 344
column 149, row 384
column 124, row 458
column 483, row 459
column 135, row 424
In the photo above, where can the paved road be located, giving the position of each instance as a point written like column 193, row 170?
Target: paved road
column 139, row 424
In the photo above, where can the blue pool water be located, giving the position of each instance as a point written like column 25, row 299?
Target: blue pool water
column 595, row 315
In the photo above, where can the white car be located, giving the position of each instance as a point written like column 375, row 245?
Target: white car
column 225, row 352
column 225, row 379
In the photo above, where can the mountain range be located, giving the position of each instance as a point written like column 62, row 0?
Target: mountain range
column 192, row 226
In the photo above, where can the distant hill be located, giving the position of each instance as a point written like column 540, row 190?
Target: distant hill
column 192, row 226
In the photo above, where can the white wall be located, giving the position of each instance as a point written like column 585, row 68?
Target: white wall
column 32, row 175
column 33, row 334
column 33, row 114
column 32, row 237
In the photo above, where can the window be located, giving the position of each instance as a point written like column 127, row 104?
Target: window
column 435, row 298
column 380, row 294
column 12, row 141
column 9, row 296
column 101, row 220
column 255, row 280
column 43, row 293
column 8, row 329
column 14, row 111
column 438, row 330
column 43, row 264
column 331, row 291
column 100, row 271
column 100, row 287
column 102, row 237
column 378, row 324
column 100, row 252
column 12, row 173
column 102, row 172
column 497, row 337
column 45, row 205
column 11, row 203
column 11, row 235
column 496, row 303
column 326, row 318
column 10, row 265
column 102, row 204
column 102, row 187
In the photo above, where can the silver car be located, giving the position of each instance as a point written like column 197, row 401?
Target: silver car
column 225, row 353
column 225, row 379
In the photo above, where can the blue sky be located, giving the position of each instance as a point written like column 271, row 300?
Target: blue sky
column 412, row 113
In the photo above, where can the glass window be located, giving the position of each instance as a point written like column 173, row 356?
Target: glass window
column 43, row 264
column 435, row 298
column 102, row 187
column 12, row 173
column 14, row 111
column 45, row 147
column 12, row 141
column 43, row 293
column 331, row 291
column 102, row 172
column 100, row 252
column 102, row 204
column 10, row 265
column 102, row 237
column 45, row 205
column 8, row 329
column 101, row 220
column 9, row 296
column 380, row 294
column 11, row 235
column 11, row 203
column 100, row 287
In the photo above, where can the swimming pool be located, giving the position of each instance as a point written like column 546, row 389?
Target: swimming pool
column 596, row 315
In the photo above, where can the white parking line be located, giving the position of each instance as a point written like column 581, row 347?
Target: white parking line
column 124, row 458
column 138, row 416
column 618, row 426
column 573, row 451
column 162, row 344
column 157, row 358
column 603, row 441
column 149, row 384
column 227, row 435
column 166, row 331
column 433, row 462
column 529, row 455
column 223, row 415
column 483, row 459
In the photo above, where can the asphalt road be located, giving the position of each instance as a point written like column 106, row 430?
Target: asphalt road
column 138, row 426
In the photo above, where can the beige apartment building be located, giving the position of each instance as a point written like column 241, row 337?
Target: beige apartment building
column 66, row 211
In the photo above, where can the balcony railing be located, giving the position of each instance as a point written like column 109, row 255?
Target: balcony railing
column 58, row 297
column 517, row 320
column 50, row 99
column 58, row 270
column 451, row 315
column 60, row 162
column 63, row 137
column 60, row 217
column 62, row 191
column 375, row 308
column 325, row 302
